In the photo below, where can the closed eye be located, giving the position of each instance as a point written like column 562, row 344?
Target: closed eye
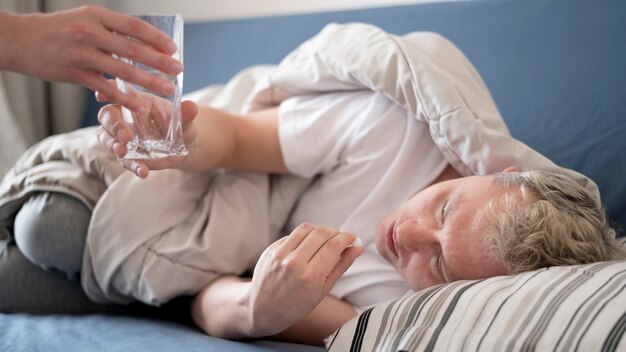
column 439, row 269
column 443, row 212
column 439, row 264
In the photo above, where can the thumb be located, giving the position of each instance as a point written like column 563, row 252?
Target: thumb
column 348, row 257
column 189, row 111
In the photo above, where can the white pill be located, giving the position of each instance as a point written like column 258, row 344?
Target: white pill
column 356, row 243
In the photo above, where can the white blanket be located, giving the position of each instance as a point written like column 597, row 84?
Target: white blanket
column 154, row 239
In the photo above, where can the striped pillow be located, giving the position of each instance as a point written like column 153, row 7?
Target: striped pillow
column 565, row 308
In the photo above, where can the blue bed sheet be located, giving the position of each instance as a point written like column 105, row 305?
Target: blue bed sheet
column 92, row 333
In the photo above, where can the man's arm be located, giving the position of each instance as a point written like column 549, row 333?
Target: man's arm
column 326, row 318
column 219, row 310
column 213, row 137
column 287, row 297
column 248, row 143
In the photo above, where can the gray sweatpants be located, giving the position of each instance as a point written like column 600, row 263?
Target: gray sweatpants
column 50, row 230
column 40, row 269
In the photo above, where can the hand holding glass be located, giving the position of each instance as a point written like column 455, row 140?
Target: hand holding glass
column 157, row 133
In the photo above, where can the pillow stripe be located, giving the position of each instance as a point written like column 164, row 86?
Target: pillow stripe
column 446, row 316
column 500, row 308
column 361, row 327
column 330, row 340
column 531, row 310
column 615, row 335
column 500, row 286
column 414, row 314
column 431, row 314
column 602, row 306
column 549, row 312
column 399, row 316
column 570, row 330
column 585, row 318
column 389, row 321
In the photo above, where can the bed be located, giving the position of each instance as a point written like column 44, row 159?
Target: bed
column 556, row 70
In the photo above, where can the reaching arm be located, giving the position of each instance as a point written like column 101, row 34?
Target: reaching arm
column 213, row 137
column 8, row 25
column 248, row 142
column 287, row 297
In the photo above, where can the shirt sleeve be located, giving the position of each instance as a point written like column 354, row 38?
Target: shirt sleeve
column 314, row 131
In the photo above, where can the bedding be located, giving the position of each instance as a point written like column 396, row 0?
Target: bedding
column 133, row 254
column 575, row 308
column 95, row 333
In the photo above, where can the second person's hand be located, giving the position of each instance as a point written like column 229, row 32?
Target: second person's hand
column 76, row 46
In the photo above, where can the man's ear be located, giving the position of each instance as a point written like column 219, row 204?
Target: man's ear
column 510, row 169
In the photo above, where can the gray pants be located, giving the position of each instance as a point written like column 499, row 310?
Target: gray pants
column 50, row 230
column 40, row 269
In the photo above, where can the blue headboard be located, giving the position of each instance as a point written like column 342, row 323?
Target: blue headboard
column 556, row 68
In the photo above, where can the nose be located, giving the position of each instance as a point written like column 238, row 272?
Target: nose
column 415, row 235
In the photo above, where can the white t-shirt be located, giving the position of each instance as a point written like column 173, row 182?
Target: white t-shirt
column 368, row 156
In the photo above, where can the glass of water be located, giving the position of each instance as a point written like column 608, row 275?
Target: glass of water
column 159, row 133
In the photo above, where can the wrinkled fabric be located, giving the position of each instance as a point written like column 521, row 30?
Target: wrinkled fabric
column 154, row 239
column 427, row 75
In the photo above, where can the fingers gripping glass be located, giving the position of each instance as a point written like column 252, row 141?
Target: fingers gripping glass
column 157, row 134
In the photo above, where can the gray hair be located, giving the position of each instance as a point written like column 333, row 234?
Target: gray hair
column 557, row 223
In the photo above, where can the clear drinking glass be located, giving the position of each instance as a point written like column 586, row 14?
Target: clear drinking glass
column 158, row 134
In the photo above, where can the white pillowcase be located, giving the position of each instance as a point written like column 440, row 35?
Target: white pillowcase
column 564, row 308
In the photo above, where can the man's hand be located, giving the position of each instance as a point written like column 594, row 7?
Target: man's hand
column 115, row 133
column 294, row 275
column 288, row 295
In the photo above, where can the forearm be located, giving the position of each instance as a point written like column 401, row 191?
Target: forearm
column 9, row 27
column 214, row 141
column 327, row 317
column 220, row 309
column 247, row 143
column 20, row 38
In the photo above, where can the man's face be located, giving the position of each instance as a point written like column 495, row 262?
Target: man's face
column 438, row 235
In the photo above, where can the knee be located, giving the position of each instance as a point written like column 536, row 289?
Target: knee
column 50, row 230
